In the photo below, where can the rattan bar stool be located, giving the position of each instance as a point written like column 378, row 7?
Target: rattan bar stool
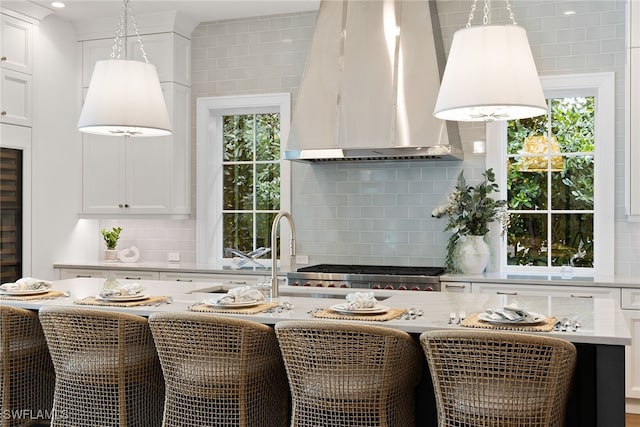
column 505, row 379
column 27, row 377
column 220, row 371
column 348, row 374
column 107, row 368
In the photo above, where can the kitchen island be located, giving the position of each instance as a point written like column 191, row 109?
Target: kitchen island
column 598, row 394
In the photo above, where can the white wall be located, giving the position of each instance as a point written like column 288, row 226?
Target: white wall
column 57, row 232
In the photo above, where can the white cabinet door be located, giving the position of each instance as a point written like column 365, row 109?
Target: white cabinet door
column 634, row 20
column 633, row 144
column 16, row 44
column 103, row 174
column 557, row 291
column 72, row 273
column 228, row 279
column 459, row 287
column 632, row 354
column 15, row 104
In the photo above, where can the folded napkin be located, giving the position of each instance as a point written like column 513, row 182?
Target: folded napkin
column 26, row 283
column 241, row 294
column 361, row 300
column 127, row 289
column 509, row 313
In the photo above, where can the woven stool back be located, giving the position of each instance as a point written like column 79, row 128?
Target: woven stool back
column 220, row 371
column 483, row 378
column 347, row 374
column 27, row 376
column 107, row 369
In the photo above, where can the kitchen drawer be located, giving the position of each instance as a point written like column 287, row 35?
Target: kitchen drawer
column 556, row 291
column 71, row 273
column 231, row 279
column 459, row 287
column 631, row 299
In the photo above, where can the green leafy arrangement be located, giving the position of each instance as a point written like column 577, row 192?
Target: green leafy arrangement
column 111, row 237
column 470, row 210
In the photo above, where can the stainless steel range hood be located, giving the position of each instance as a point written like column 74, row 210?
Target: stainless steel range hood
column 370, row 85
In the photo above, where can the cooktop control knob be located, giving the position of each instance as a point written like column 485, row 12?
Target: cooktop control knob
column 375, row 287
column 344, row 285
column 402, row 288
column 415, row 288
column 388, row 287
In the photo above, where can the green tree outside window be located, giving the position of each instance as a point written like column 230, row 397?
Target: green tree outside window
column 550, row 193
column 251, row 179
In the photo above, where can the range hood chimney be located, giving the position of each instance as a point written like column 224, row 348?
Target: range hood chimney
column 370, row 85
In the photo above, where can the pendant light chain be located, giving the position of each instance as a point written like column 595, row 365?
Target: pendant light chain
column 119, row 49
column 487, row 12
column 511, row 16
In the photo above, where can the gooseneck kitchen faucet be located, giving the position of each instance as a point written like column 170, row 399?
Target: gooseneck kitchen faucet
column 274, row 249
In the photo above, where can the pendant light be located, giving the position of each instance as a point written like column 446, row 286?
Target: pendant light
column 490, row 74
column 124, row 96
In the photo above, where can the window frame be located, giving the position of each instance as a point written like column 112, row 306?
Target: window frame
column 209, row 197
column 602, row 87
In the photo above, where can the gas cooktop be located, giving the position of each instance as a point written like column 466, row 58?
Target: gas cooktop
column 367, row 276
column 372, row 269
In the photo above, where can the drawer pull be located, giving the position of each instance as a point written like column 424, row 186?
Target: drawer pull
column 235, row 282
column 448, row 286
column 184, row 280
column 506, row 293
column 581, row 296
column 4, row 113
column 85, row 276
column 3, row 58
column 132, row 278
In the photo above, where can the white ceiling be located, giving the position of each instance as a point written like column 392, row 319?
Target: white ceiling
column 198, row 10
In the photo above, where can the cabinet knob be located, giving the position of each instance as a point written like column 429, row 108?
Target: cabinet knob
column 3, row 58
column 121, row 205
column 126, row 205
column 4, row 113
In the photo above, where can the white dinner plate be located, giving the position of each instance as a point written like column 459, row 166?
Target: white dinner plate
column 123, row 298
column 344, row 308
column 233, row 304
column 18, row 292
column 537, row 319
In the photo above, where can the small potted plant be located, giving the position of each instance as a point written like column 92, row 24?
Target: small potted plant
column 111, row 241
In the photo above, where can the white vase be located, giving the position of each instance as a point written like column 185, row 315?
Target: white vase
column 111, row 255
column 473, row 254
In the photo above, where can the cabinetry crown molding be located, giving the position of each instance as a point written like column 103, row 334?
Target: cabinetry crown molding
column 148, row 23
column 25, row 10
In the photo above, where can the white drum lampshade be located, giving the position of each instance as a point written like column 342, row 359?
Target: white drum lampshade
column 124, row 99
column 490, row 75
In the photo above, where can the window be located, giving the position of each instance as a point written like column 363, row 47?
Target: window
column 557, row 177
column 242, row 181
column 251, row 184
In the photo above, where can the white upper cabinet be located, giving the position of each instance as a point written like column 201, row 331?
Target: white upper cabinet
column 633, row 111
column 142, row 175
column 16, row 40
column 16, row 66
column 169, row 52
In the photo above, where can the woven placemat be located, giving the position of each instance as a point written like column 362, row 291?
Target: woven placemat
column 204, row 308
column 326, row 313
column 147, row 301
column 47, row 295
column 473, row 322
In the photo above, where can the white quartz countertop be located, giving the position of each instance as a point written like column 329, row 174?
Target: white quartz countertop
column 601, row 318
